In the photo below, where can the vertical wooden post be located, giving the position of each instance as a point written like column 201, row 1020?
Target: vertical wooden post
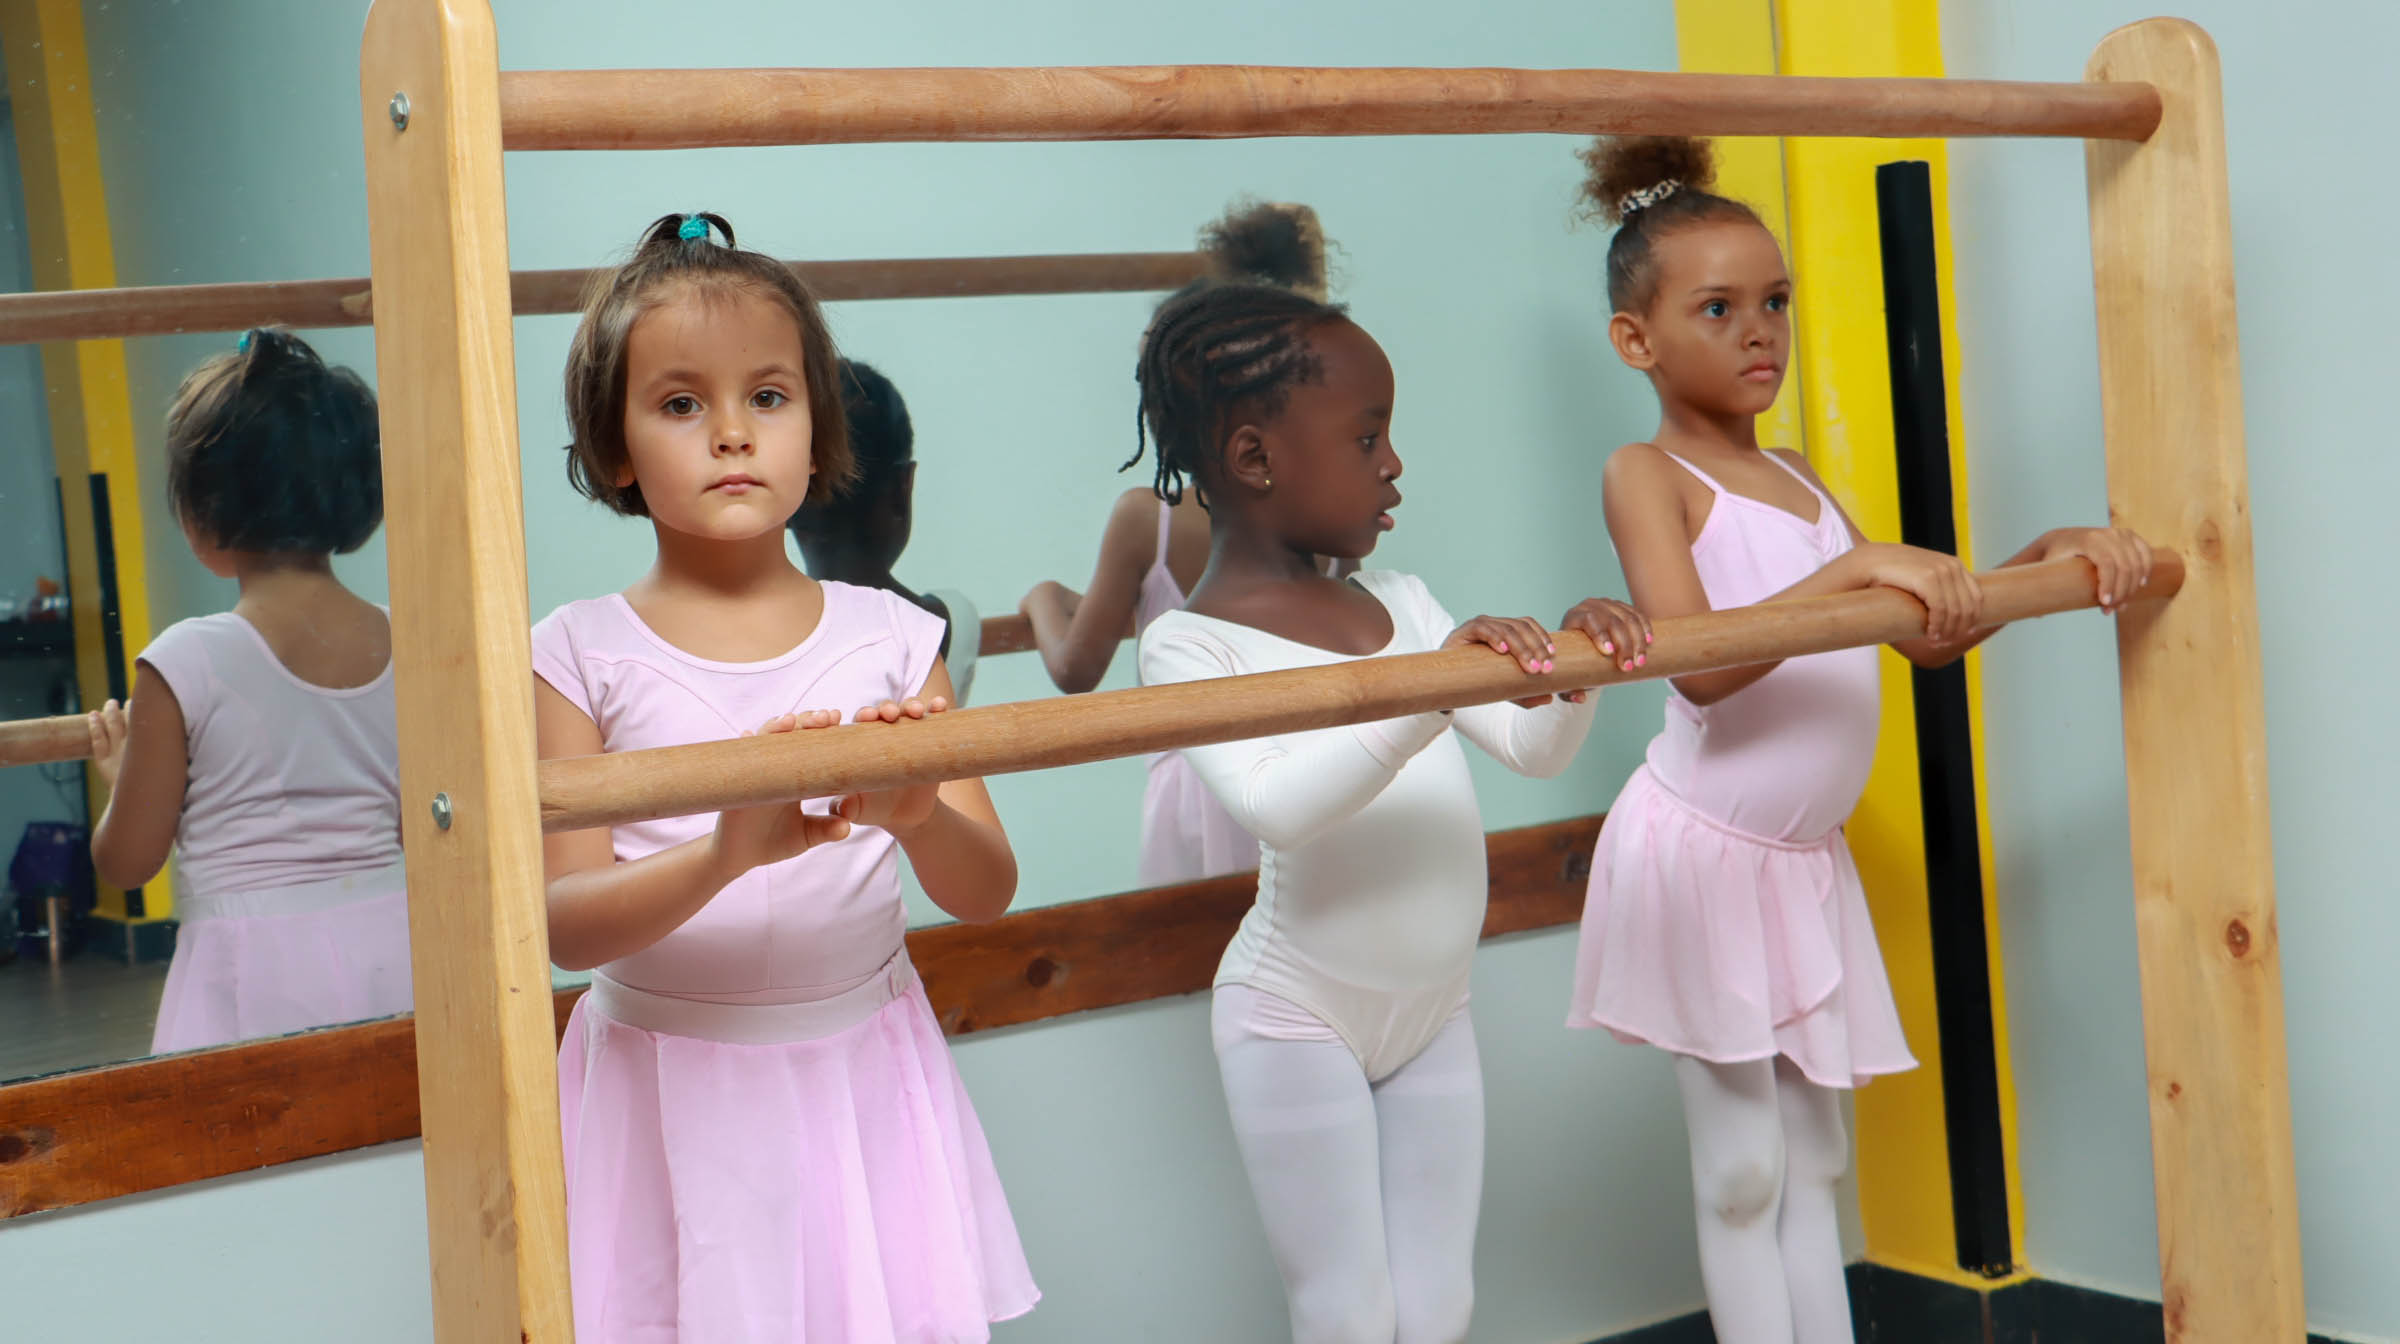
column 494, row 1191
column 2195, row 715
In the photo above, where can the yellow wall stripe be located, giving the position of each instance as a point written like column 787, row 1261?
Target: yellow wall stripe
column 91, row 425
column 1737, row 37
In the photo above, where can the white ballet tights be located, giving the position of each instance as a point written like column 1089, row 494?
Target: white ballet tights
column 1369, row 1191
column 1767, row 1147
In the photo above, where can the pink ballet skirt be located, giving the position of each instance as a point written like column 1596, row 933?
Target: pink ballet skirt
column 250, row 964
column 1725, row 946
column 807, row 1172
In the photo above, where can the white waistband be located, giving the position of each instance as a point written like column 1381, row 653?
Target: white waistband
column 754, row 1023
column 300, row 898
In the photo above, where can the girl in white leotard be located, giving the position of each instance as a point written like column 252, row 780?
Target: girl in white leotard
column 1340, row 1015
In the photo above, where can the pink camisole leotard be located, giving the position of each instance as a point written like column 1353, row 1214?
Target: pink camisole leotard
column 1725, row 919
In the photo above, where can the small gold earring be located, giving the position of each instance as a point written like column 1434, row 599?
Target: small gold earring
column 1267, row 484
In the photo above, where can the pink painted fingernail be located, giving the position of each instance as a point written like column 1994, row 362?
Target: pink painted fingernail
column 1642, row 661
column 1608, row 646
column 1502, row 646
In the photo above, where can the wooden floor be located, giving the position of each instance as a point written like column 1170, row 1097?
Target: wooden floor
column 89, row 1010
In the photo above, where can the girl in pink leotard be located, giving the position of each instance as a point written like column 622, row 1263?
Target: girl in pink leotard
column 765, row 1136
column 1725, row 922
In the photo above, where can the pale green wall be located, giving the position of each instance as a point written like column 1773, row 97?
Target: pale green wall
column 2307, row 89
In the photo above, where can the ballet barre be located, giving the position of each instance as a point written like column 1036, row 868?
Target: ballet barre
column 437, row 114
column 617, row 788
column 155, row 310
column 671, row 109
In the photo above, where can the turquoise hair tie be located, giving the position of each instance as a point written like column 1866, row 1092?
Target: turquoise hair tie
column 694, row 228
column 242, row 346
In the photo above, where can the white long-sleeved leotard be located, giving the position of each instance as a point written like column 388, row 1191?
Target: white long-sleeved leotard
column 1372, row 882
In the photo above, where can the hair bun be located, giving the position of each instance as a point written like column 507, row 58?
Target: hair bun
column 684, row 227
column 1269, row 243
column 1625, row 173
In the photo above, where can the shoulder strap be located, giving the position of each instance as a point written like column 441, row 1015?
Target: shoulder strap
column 1703, row 477
column 1166, row 528
column 1824, row 500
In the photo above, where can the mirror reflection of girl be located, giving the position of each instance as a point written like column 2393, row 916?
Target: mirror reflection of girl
column 857, row 536
column 1725, row 922
column 260, row 744
column 765, row 1135
column 1340, row 1013
column 1152, row 552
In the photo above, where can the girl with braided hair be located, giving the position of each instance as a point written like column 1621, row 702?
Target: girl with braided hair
column 1340, row 1015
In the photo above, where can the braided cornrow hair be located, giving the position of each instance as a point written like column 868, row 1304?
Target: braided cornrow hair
column 1212, row 353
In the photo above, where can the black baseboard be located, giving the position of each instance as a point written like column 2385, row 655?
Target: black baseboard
column 1890, row 1306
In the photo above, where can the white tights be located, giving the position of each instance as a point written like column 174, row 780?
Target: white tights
column 1369, row 1190
column 1767, row 1147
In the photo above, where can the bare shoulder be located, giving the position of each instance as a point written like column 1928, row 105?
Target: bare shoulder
column 1640, row 470
column 1132, row 531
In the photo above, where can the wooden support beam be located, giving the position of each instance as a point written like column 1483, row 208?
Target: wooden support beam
column 2195, row 713
column 620, row 787
column 154, row 1123
column 495, row 1200
column 155, row 310
column 695, row 109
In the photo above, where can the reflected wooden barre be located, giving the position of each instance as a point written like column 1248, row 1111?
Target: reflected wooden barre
column 1012, row 633
column 696, row 109
column 622, row 787
column 158, row 310
column 65, row 737
column 46, row 741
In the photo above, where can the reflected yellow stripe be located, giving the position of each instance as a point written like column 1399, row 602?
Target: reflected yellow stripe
column 91, row 424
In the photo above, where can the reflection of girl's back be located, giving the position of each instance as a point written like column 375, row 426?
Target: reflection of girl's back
column 260, row 743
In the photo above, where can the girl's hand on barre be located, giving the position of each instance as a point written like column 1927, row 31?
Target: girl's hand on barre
column 1620, row 632
column 1520, row 637
column 896, row 810
column 108, row 729
column 2122, row 558
column 1953, row 600
column 752, row 837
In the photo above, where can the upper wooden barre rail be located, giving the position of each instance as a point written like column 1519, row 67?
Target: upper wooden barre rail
column 110, row 314
column 695, row 109
column 621, row 787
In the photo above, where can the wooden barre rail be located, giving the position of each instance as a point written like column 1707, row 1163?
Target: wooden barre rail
column 63, row 737
column 621, row 787
column 695, row 109
column 109, row 314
